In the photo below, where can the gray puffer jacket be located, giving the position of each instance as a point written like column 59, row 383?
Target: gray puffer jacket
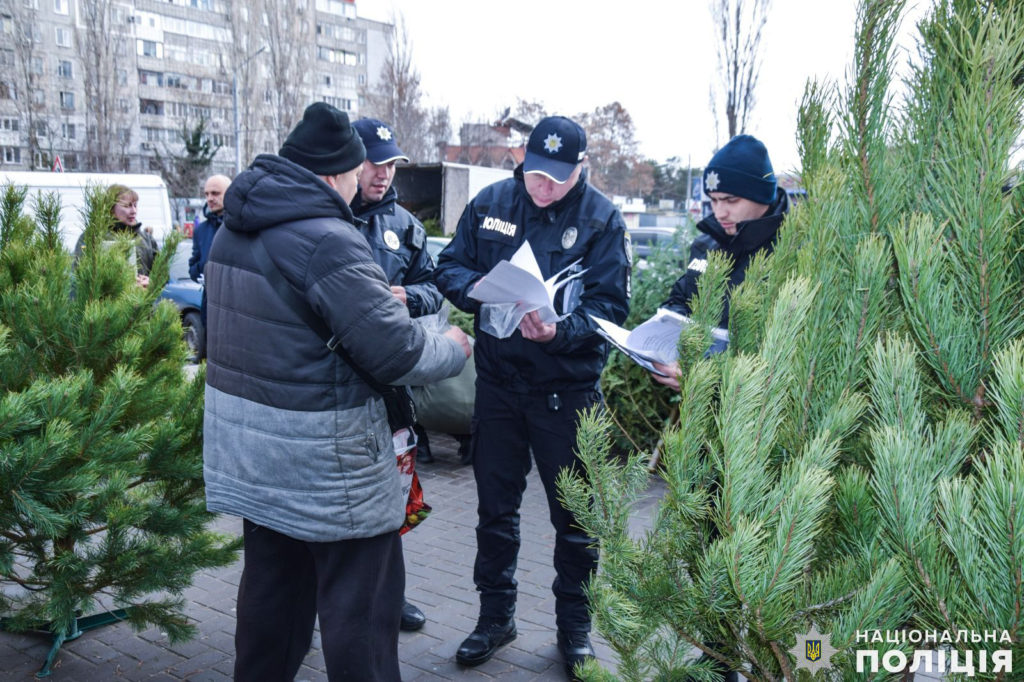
column 294, row 440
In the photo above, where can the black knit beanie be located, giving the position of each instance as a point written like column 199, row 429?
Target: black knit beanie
column 324, row 142
column 742, row 168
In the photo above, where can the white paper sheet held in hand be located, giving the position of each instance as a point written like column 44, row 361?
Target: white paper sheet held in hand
column 519, row 280
column 654, row 340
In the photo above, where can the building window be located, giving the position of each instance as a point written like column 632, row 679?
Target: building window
column 7, row 90
column 61, row 7
column 12, row 154
column 67, row 100
column 342, row 103
column 42, row 130
column 151, row 106
column 63, row 37
column 65, row 69
column 12, row 124
column 148, row 48
column 151, row 78
column 67, row 131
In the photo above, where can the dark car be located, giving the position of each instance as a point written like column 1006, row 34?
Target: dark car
column 646, row 240
column 187, row 296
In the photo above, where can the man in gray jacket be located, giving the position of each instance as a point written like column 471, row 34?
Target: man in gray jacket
column 294, row 441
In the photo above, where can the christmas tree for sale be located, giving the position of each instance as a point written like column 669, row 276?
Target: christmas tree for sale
column 853, row 465
column 100, row 432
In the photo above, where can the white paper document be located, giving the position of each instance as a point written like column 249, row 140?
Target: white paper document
column 519, row 280
column 654, row 340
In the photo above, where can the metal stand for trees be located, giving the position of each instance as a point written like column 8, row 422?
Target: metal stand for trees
column 80, row 625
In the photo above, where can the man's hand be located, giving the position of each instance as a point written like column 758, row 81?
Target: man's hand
column 399, row 293
column 673, row 372
column 459, row 336
column 533, row 329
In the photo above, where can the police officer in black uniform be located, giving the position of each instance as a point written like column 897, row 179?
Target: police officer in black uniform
column 533, row 376
column 397, row 241
column 747, row 210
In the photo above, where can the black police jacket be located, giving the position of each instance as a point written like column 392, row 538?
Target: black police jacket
column 582, row 225
column 752, row 236
column 398, row 243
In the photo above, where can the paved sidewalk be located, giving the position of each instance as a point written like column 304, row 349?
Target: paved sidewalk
column 439, row 568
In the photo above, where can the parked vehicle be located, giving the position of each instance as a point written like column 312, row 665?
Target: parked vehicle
column 435, row 245
column 646, row 239
column 154, row 206
column 442, row 190
column 187, row 296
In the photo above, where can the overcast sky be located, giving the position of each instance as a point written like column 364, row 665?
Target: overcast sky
column 656, row 57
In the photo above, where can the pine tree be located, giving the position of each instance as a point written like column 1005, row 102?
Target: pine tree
column 100, row 432
column 855, row 461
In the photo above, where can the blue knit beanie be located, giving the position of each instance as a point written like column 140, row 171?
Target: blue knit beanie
column 742, row 168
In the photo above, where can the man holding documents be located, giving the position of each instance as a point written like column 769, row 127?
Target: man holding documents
column 747, row 208
column 554, row 251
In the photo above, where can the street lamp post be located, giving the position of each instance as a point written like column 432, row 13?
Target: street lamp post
column 234, row 96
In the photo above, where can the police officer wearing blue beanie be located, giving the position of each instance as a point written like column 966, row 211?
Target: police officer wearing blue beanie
column 748, row 208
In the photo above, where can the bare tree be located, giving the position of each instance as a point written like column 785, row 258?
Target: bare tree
column 27, row 79
column 397, row 99
column 738, row 25
column 285, row 29
column 615, row 164
column 101, row 42
column 243, row 61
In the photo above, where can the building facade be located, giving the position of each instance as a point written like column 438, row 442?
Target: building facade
column 105, row 85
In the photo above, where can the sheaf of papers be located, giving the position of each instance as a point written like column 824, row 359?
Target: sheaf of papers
column 654, row 340
column 519, row 280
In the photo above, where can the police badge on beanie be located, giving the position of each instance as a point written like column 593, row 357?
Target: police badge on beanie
column 742, row 168
column 324, row 141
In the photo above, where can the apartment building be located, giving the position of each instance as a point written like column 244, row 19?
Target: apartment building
column 112, row 85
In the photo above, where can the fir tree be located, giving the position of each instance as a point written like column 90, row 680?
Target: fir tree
column 100, row 432
column 855, row 461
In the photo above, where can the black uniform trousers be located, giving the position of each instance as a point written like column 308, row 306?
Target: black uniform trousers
column 506, row 427
column 355, row 586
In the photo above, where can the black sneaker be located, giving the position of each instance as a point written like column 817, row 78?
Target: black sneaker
column 576, row 649
column 488, row 636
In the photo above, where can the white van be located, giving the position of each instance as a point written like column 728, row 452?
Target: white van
column 154, row 206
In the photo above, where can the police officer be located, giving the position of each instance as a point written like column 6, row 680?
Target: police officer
column 397, row 242
column 748, row 208
column 534, row 376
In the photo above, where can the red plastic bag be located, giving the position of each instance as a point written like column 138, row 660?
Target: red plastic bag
column 416, row 510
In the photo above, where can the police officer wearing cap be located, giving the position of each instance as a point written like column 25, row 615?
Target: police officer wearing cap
column 534, row 377
column 397, row 239
column 397, row 242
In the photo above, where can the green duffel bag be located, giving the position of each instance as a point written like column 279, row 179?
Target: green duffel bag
column 447, row 406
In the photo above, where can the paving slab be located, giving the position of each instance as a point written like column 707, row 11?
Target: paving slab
column 439, row 565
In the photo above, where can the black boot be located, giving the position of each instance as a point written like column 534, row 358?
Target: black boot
column 576, row 649
column 423, row 454
column 488, row 636
column 465, row 454
column 412, row 618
